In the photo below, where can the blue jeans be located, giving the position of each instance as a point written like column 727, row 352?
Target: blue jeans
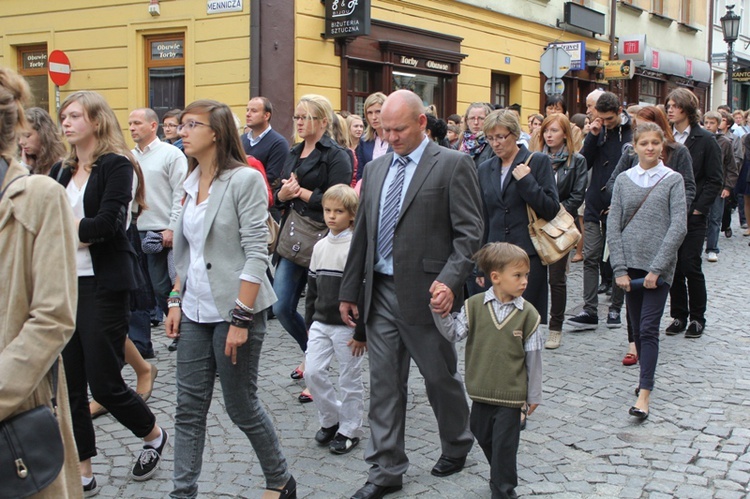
column 200, row 356
column 288, row 284
column 139, row 332
column 715, row 214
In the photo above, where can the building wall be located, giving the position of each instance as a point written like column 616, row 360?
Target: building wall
column 105, row 44
column 488, row 38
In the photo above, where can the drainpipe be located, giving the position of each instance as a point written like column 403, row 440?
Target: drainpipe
column 612, row 22
column 254, row 48
column 712, row 5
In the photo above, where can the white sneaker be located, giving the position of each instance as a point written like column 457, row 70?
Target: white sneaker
column 713, row 257
column 553, row 340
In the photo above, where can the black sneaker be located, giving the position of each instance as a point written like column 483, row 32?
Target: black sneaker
column 325, row 435
column 676, row 327
column 148, row 461
column 694, row 330
column 173, row 346
column 584, row 321
column 613, row 319
column 342, row 444
column 91, row 489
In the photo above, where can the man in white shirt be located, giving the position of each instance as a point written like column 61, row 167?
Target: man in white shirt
column 164, row 169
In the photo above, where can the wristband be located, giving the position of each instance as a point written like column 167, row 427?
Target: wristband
column 244, row 307
column 174, row 294
column 174, row 305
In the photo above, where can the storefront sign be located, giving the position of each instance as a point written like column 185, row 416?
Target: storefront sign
column 577, row 51
column 167, row 49
column 633, row 47
column 655, row 59
column 346, row 18
column 618, row 70
column 35, row 60
column 741, row 75
column 414, row 62
column 221, row 6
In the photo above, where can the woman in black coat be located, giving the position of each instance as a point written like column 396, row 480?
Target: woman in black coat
column 507, row 185
column 555, row 139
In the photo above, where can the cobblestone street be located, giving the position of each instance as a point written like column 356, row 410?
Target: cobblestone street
column 581, row 442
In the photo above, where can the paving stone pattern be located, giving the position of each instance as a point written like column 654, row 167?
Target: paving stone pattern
column 581, row 443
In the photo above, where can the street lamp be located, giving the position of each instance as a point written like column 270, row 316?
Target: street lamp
column 730, row 26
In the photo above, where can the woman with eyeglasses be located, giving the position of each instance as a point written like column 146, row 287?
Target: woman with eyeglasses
column 169, row 124
column 218, row 304
column 473, row 141
column 313, row 165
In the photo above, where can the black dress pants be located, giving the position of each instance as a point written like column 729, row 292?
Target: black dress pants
column 498, row 432
column 688, row 292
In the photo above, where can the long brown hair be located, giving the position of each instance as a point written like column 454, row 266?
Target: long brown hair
column 564, row 123
column 657, row 116
column 108, row 135
column 14, row 93
column 51, row 147
column 229, row 152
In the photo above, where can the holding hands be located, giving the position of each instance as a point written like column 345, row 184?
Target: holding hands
column 442, row 298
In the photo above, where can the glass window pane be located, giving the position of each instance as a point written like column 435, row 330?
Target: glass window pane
column 166, row 88
column 39, row 90
column 429, row 88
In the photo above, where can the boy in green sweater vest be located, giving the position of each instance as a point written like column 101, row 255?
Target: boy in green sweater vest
column 503, row 359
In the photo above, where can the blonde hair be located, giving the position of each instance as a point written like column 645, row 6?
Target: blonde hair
column 320, row 108
column 372, row 99
column 14, row 94
column 494, row 257
column 345, row 195
column 648, row 127
column 341, row 131
column 107, row 132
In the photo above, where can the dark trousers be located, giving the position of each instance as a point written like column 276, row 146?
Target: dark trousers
column 688, row 292
column 498, row 432
column 645, row 308
column 558, row 287
column 95, row 355
column 158, row 271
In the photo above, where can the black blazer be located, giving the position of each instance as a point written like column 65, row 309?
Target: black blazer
column 505, row 214
column 364, row 155
column 707, row 167
column 105, row 207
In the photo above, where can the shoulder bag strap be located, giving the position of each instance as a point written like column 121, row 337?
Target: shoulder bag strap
column 531, row 213
column 643, row 201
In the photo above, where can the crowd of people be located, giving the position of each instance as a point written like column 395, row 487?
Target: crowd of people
column 387, row 222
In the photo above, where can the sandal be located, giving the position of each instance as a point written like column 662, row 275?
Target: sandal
column 630, row 359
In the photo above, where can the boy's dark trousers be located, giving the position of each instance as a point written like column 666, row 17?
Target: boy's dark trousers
column 498, row 432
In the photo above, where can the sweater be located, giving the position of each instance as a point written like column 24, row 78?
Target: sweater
column 602, row 153
column 164, row 169
column 324, row 281
column 272, row 150
column 497, row 347
column 651, row 239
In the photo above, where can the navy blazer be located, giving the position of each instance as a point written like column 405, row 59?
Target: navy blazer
column 105, row 205
column 505, row 216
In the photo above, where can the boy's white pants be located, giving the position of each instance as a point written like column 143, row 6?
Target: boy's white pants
column 325, row 340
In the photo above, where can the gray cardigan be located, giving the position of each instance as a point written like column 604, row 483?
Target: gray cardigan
column 681, row 162
column 651, row 240
column 236, row 239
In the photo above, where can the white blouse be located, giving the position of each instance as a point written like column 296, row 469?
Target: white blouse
column 84, row 265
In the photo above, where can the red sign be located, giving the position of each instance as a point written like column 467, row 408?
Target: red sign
column 630, row 47
column 688, row 67
column 59, row 67
column 654, row 59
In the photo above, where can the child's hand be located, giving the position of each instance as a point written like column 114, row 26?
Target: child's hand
column 358, row 347
column 532, row 408
column 442, row 298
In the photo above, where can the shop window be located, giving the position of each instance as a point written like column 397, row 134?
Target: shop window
column 500, row 90
column 428, row 87
column 650, row 91
column 165, row 73
column 360, row 85
column 32, row 65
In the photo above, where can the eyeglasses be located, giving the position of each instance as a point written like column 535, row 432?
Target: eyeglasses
column 169, row 125
column 297, row 118
column 497, row 138
column 476, row 118
column 190, row 125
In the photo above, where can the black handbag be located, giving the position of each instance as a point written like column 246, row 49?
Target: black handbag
column 31, row 450
column 298, row 236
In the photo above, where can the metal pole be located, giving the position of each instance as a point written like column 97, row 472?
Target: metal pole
column 57, row 98
column 730, row 58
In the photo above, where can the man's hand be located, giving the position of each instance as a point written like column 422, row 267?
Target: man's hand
column 167, row 238
column 349, row 313
column 623, row 282
column 724, row 193
column 442, row 298
column 596, row 126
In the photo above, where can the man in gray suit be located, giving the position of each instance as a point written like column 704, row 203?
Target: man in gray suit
column 418, row 225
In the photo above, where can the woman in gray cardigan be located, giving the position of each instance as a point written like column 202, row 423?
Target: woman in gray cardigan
column 218, row 304
column 646, row 228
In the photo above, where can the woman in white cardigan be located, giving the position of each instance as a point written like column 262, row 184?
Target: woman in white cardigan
column 217, row 307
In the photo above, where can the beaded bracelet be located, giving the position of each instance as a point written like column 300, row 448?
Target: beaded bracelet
column 244, row 307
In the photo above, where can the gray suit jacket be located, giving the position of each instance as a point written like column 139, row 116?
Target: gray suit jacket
column 235, row 235
column 438, row 231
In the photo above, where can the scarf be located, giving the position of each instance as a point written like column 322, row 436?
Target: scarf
column 559, row 158
column 473, row 143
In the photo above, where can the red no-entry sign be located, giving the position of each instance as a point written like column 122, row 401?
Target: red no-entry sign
column 59, row 67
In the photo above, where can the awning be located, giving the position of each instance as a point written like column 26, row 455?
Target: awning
column 663, row 61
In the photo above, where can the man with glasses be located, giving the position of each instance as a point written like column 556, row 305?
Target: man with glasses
column 164, row 168
column 170, row 121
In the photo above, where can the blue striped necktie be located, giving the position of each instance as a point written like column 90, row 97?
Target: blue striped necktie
column 391, row 209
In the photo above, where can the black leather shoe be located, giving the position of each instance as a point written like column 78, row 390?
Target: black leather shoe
column 325, row 435
column 372, row 491
column 638, row 413
column 173, row 346
column 447, row 466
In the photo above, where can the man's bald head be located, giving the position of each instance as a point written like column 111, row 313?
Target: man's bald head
column 403, row 121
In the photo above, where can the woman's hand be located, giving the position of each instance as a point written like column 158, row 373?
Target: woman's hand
column 172, row 324
column 650, row 281
column 290, row 189
column 235, row 339
column 623, row 282
column 521, row 170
